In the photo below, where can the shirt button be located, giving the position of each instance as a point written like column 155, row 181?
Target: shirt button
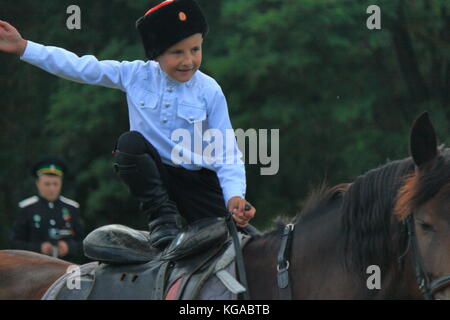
column 191, row 118
column 169, row 90
column 167, row 105
column 141, row 103
column 165, row 120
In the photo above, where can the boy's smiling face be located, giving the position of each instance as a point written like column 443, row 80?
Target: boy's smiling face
column 183, row 59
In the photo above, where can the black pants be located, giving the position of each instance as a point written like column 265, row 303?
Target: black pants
column 198, row 194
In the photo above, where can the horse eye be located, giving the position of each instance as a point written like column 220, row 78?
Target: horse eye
column 425, row 226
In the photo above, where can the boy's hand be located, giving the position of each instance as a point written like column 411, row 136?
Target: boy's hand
column 10, row 39
column 236, row 205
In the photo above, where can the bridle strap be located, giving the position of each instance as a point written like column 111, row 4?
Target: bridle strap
column 284, row 288
column 421, row 277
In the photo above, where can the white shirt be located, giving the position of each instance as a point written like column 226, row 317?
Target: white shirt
column 158, row 106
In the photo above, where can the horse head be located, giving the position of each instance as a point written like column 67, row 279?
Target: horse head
column 423, row 203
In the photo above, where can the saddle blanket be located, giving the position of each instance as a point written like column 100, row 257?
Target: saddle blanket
column 213, row 289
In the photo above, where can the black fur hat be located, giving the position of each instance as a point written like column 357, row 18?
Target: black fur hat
column 168, row 23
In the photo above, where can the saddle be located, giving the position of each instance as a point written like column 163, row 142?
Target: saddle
column 199, row 259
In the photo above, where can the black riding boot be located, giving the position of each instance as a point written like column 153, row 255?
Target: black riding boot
column 141, row 175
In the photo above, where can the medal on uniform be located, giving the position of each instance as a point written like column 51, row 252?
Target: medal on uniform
column 67, row 217
column 37, row 220
column 66, row 214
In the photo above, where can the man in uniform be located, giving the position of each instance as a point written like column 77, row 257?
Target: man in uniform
column 49, row 223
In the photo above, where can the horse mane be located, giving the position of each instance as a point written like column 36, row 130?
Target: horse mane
column 371, row 237
column 317, row 202
column 423, row 185
column 320, row 199
column 366, row 207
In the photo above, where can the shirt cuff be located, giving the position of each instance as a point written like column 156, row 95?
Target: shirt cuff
column 31, row 52
column 233, row 191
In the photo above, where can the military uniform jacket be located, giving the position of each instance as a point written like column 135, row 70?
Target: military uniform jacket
column 40, row 220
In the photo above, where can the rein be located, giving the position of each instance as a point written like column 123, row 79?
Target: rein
column 240, row 266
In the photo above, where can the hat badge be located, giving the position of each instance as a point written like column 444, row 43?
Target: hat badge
column 182, row 16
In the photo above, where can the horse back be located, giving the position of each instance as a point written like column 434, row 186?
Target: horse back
column 27, row 275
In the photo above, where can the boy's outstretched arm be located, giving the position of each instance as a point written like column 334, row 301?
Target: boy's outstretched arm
column 10, row 39
column 67, row 65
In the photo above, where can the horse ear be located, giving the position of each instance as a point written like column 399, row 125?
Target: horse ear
column 423, row 142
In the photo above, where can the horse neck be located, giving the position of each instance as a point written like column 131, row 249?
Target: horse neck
column 315, row 256
column 318, row 270
column 317, row 265
column 260, row 257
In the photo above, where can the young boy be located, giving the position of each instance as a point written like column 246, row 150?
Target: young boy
column 166, row 93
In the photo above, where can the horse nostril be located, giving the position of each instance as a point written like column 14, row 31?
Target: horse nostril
column 122, row 277
column 134, row 278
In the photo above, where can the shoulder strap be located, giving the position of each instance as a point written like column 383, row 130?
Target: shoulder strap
column 28, row 201
column 69, row 201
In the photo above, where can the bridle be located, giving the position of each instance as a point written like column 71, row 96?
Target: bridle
column 427, row 288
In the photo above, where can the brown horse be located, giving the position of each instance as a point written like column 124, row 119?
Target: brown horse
column 384, row 236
